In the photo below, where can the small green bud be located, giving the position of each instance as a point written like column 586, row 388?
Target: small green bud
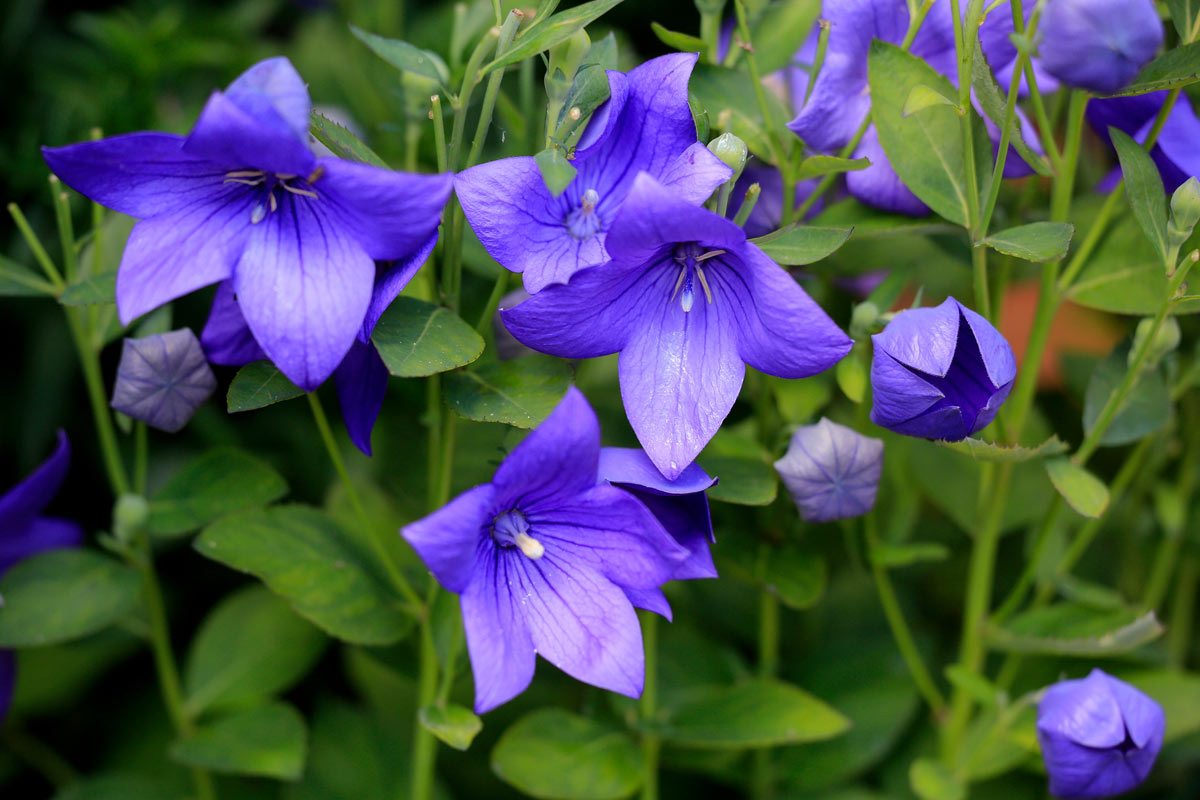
column 129, row 516
column 864, row 320
column 568, row 55
column 732, row 151
column 1164, row 343
column 1185, row 212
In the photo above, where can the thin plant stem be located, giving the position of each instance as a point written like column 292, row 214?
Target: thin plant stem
column 66, row 229
column 372, row 532
column 648, row 708
column 1171, row 546
column 747, row 206
column 493, row 302
column 424, row 745
column 1183, row 611
column 37, row 754
column 778, row 149
column 35, row 246
column 763, row 778
column 1029, row 574
column 507, row 32
column 140, row 450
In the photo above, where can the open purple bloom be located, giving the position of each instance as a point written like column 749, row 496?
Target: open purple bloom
column 1099, row 736
column 25, row 532
column 243, row 198
column 681, row 505
column 831, row 471
column 646, row 125
column 687, row 302
column 1174, row 152
column 543, row 557
column 940, row 373
column 1098, row 44
column 163, row 379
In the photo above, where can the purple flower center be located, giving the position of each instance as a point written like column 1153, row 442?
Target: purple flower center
column 583, row 222
column 966, row 384
column 269, row 182
column 689, row 257
column 511, row 529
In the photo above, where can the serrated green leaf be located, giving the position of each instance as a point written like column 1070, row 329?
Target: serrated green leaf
column 301, row 555
column 921, row 97
column 755, row 713
column 341, row 141
column 61, row 595
column 1172, row 70
column 729, row 97
column 992, row 99
column 268, row 741
column 558, row 755
column 454, row 725
column 557, row 172
column 1082, row 490
column 92, row 291
column 406, row 57
column 902, row 554
column 258, row 385
column 588, row 92
column 1006, row 454
column 796, row 244
column 17, row 281
column 817, row 166
column 1037, row 241
column 521, row 392
column 416, row 339
column 1069, row 629
column 682, row 42
column 217, row 483
column 742, row 481
column 550, row 30
column 1144, row 188
column 250, row 647
column 1186, row 16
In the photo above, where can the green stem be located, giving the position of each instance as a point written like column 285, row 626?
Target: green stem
column 709, row 32
column 1171, row 546
column 37, row 754
column 66, row 229
column 89, row 362
column 747, row 205
column 768, row 667
column 507, row 32
column 424, row 745
column 493, row 302
column 1032, row 564
column 648, row 709
column 373, row 532
column 140, row 457
column 1183, row 610
column 778, row 149
column 35, row 246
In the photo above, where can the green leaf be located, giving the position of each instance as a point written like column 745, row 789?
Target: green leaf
column 250, row 647
column 743, row 481
column 268, row 742
column 301, row 555
column 351, row 756
column 341, row 141
column 405, row 57
column 93, row 291
column 755, row 713
column 1070, row 629
column 931, row 780
column 217, row 483
column 258, row 385
column 17, row 281
column 61, row 595
column 978, row 687
column 521, row 392
column 546, row 32
column 903, row 554
column 679, row 41
column 416, row 339
column 588, row 91
column 729, row 97
column 1186, row 16
column 116, row 786
column 556, row 754
column 1006, row 454
column 1037, row 241
column 1147, row 406
column 818, row 165
column 852, row 378
column 926, row 149
column 776, row 31
column 993, row 100
column 1082, row 490
column 1176, row 691
column 1171, row 70
column 921, row 97
column 454, row 725
column 798, row 244
column 871, row 223
column 557, row 172
column 1144, row 188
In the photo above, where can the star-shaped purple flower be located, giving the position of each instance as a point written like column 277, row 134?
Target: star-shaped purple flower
column 25, row 532
column 243, row 198
column 687, row 302
column 831, row 471
column 162, row 379
column 646, row 125
column 543, row 556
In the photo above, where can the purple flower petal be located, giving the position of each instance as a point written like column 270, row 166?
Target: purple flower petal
column 831, row 471
column 162, row 379
column 233, row 137
column 170, row 255
column 139, row 174
column 649, row 600
column 304, row 286
column 22, row 503
column 657, row 115
column 41, row 534
column 1098, row 44
column 630, row 466
column 581, row 623
column 390, row 280
column 392, row 215
column 687, row 518
column 274, row 84
column 605, row 119
column 226, row 337
column 612, row 532
column 361, row 380
column 878, row 185
column 1176, row 142
column 555, row 462
column 449, row 539
column 695, row 174
column 495, row 616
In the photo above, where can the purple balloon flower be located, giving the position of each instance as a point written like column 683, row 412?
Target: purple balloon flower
column 831, row 471
column 163, row 379
column 680, row 505
column 25, row 532
column 646, row 125
column 1175, row 151
column 243, row 198
column 940, row 373
column 1099, row 736
column 543, row 557
column 686, row 301
column 1098, row 44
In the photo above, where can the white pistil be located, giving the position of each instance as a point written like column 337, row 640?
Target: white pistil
column 528, row 545
column 257, row 214
column 590, row 198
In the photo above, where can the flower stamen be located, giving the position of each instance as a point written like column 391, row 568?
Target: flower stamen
column 511, row 529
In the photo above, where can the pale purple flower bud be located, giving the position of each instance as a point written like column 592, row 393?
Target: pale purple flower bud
column 1099, row 736
column 831, row 471
column 163, row 379
column 1098, row 44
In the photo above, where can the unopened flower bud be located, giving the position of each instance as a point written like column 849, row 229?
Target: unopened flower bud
column 864, row 320
column 831, row 471
column 163, row 379
column 129, row 516
column 568, row 55
column 1098, row 44
column 1185, row 212
column 732, row 151
column 1165, row 341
